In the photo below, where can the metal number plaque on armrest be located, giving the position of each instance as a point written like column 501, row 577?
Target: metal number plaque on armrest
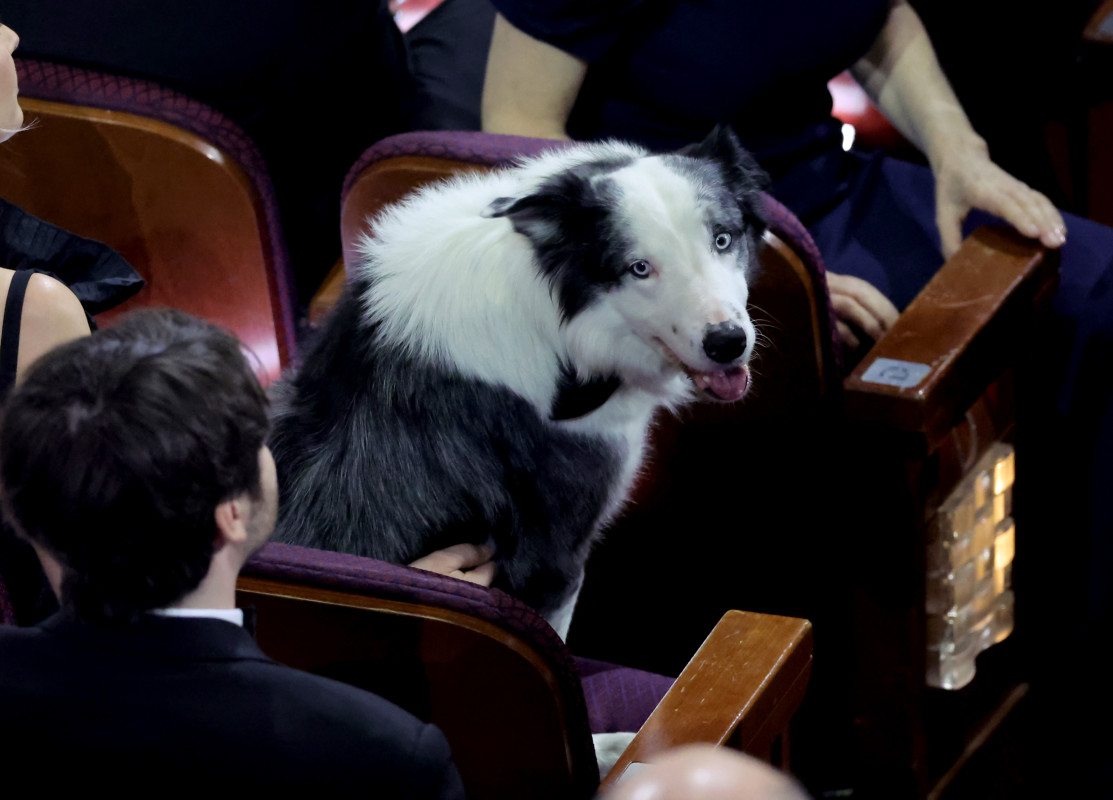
column 902, row 374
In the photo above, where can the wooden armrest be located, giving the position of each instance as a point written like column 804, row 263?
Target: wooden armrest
column 741, row 688
column 960, row 333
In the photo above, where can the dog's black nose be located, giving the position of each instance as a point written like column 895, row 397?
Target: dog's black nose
column 724, row 342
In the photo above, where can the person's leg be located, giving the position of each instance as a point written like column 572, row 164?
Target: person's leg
column 883, row 231
column 1069, row 377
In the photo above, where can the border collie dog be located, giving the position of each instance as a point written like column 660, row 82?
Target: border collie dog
column 492, row 369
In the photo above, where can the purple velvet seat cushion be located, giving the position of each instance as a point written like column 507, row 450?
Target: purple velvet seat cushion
column 60, row 83
column 468, row 147
column 325, row 569
column 619, row 698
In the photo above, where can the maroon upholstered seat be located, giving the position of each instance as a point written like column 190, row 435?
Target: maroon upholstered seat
column 614, row 698
column 498, row 680
column 619, row 698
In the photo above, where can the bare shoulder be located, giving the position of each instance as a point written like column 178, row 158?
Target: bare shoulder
column 52, row 315
column 51, row 304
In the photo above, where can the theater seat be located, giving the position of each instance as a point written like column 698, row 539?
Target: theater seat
column 178, row 189
column 516, row 708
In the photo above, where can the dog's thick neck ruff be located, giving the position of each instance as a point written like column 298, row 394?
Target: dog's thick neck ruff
column 587, row 269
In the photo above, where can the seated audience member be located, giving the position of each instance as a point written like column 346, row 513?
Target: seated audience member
column 703, row 772
column 312, row 83
column 133, row 460
column 51, row 282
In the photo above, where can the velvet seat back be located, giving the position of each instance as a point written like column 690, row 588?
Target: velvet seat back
column 483, row 667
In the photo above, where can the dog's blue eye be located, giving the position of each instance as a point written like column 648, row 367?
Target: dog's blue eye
column 723, row 240
column 640, row 269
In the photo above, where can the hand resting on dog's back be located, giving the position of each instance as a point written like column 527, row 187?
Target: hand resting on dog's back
column 468, row 562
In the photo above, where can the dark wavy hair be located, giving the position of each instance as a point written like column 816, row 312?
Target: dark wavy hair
column 116, row 450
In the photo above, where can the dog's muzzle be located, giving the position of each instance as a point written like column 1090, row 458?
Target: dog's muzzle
column 724, row 343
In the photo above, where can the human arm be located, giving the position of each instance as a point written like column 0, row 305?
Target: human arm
column 52, row 316
column 530, row 86
column 902, row 76
column 468, row 562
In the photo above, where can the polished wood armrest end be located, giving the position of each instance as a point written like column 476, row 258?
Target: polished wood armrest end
column 971, row 322
column 741, row 689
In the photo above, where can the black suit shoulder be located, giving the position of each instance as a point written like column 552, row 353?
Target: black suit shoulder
column 199, row 700
column 396, row 749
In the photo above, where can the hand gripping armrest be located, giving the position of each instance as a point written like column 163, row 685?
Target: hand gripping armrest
column 741, row 688
column 972, row 321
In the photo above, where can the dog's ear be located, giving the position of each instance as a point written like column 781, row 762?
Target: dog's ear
column 535, row 216
column 743, row 176
column 539, row 216
column 547, row 199
column 720, row 145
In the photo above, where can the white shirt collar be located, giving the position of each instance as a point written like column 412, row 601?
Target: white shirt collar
column 233, row 615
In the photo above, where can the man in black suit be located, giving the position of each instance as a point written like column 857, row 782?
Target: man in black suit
column 134, row 462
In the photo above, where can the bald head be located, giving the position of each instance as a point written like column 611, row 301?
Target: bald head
column 703, row 772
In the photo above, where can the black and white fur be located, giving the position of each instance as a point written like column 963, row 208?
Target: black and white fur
column 492, row 369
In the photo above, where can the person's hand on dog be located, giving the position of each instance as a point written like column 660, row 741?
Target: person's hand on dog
column 468, row 562
column 859, row 305
column 966, row 178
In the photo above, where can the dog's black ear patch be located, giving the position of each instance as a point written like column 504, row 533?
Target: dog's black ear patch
column 540, row 215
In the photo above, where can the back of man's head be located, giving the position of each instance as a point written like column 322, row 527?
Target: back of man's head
column 704, row 772
column 118, row 447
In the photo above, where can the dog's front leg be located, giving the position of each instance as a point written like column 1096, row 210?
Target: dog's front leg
column 560, row 618
column 547, row 580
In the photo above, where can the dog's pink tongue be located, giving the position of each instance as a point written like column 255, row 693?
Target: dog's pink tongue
column 730, row 384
